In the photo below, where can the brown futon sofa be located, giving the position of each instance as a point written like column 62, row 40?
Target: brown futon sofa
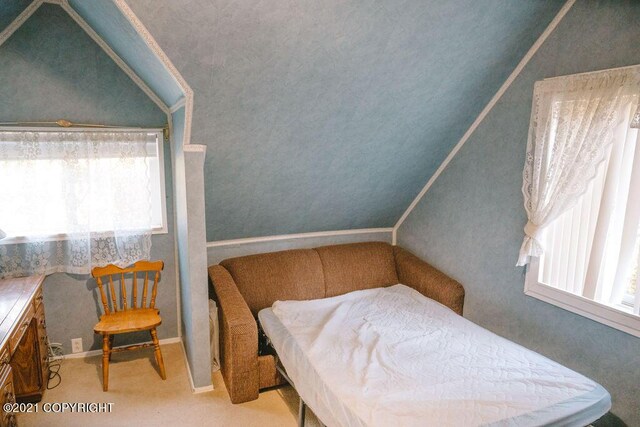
column 245, row 285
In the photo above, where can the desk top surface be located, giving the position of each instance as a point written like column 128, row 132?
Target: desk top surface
column 15, row 295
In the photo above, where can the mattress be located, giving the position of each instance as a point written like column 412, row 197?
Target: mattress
column 392, row 357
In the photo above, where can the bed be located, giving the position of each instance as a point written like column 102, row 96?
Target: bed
column 392, row 357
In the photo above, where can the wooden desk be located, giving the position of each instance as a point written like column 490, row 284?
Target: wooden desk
column 24, row 360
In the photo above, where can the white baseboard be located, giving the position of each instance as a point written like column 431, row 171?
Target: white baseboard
column 174, row 340
column 91, row 353
column 194, row 389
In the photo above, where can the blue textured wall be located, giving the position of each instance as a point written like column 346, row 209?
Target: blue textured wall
column 470, row 222
column 325, row 115
column 51, row 69
column 10, row 9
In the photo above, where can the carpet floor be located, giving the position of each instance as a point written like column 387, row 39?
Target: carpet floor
column 140, row 397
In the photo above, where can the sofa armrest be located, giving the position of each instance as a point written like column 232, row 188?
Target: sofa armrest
column 427, row 280
column 238, row 338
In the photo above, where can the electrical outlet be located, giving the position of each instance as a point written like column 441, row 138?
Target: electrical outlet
column 76, row 345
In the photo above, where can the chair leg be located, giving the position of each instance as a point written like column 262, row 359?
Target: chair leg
column 158, row 354
column 106, row 355
column 111, row 339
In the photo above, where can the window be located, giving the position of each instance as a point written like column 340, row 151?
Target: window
column 59, row 183
column 591, row 251
column 100, row 192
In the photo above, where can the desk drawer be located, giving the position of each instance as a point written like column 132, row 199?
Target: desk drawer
column 43, row 343
column 5, row 358
column 38, row 298
column 7, row 395
column 21, row 327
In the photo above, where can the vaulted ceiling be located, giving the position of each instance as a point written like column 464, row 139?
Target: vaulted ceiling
column 325, row 115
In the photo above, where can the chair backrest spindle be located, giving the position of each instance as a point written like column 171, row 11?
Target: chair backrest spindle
column 144, row 289
column 154, row 292
column 123, row 292
column 103, row 295
column 135, row 291
column 113, row 294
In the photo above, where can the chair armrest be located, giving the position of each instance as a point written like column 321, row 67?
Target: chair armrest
column 238, row 338
column 427, row 280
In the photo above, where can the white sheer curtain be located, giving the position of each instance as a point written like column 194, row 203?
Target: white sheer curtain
column 573, row 123
column 593, row 248
column 619, row 263
column 73, row 200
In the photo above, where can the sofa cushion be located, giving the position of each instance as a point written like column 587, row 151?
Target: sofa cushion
column 356, row 266
column 288, row 275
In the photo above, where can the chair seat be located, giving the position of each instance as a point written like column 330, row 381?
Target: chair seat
column 135, row 319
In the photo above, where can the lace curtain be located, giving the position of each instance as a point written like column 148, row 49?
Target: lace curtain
column 573, row 121
column 70, row 201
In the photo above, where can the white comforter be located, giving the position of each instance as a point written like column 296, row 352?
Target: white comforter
column 391, row 357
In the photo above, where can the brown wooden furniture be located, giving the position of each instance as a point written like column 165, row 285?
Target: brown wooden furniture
column 120, row 319
column 24, row 357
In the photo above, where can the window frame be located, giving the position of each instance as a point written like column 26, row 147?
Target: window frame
column 607, row 315
column 159, row 132
column 619, row 316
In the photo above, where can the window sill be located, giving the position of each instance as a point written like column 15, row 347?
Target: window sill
column 616, row 318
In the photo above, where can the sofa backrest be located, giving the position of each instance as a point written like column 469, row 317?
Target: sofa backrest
column 263, row 279
column 356, row 266
column 302, row 274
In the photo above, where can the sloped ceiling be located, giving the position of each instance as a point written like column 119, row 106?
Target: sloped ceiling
column 326, row 115
column 332, row 115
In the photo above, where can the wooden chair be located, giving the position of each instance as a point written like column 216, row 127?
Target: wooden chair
column 123, row 319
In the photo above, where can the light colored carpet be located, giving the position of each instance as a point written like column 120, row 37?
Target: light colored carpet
column 141, row 398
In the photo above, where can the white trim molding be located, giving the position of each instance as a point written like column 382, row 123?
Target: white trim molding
column 64, row 4
column 162, row 56
column 114, row 56
column 20, row 19
column 92, row 353
column 178, row 105
column 578, row 304
column 175, row 227
column 514, row 74
column 249, row 240
column 194, row 389
column 195, row 148
column 165, row 341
